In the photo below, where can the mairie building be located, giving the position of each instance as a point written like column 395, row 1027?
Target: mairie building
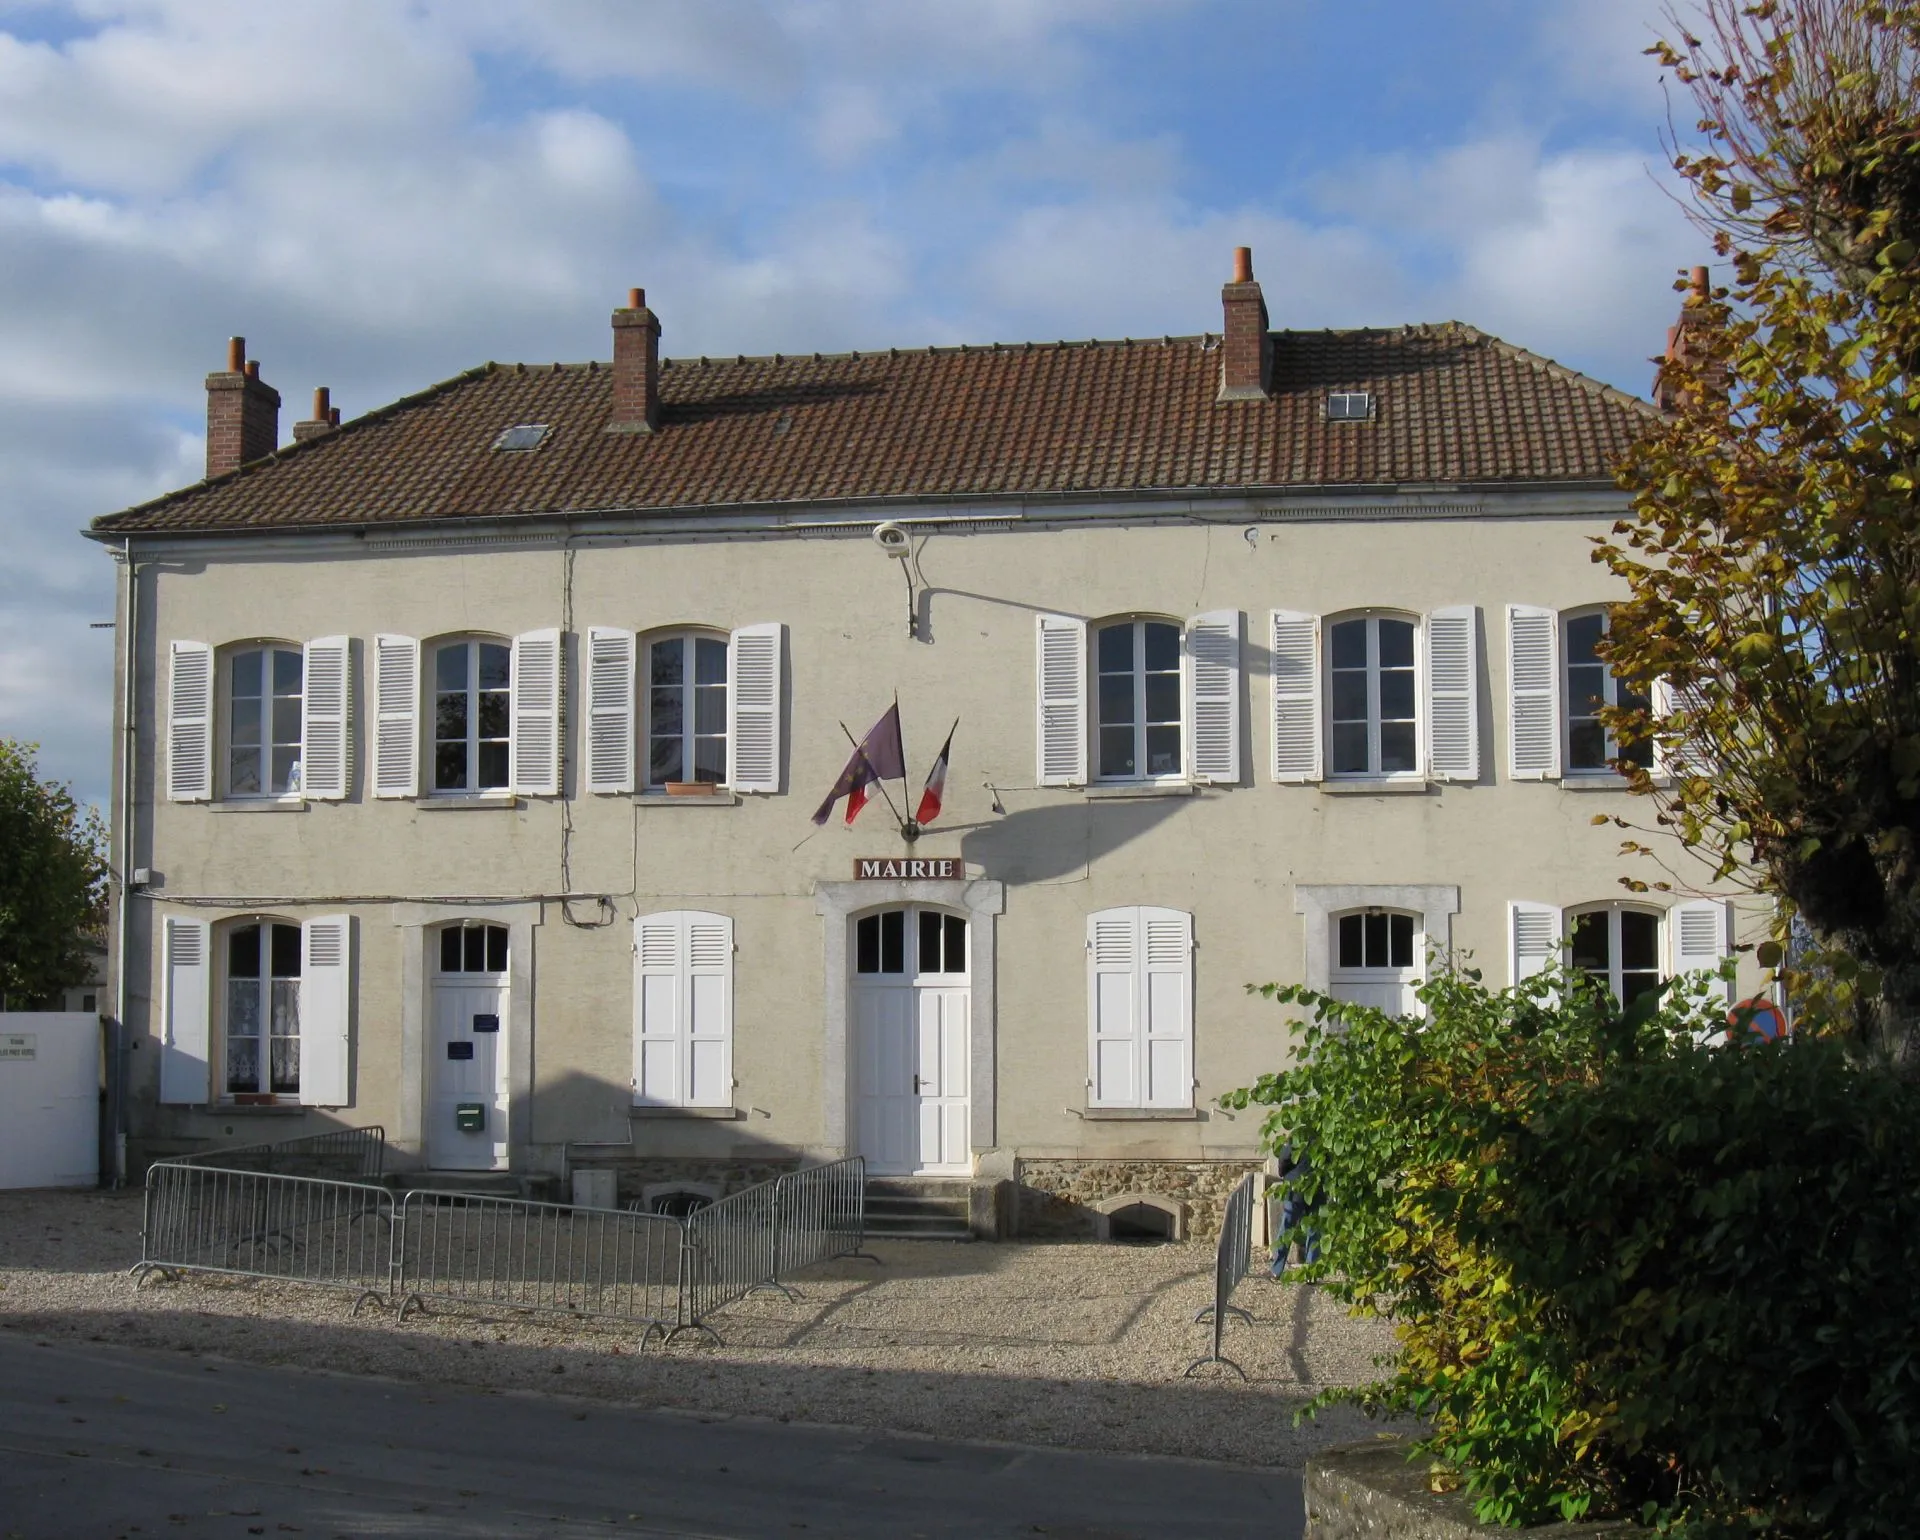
column 470, row 751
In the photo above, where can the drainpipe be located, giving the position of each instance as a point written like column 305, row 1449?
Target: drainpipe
column 129, row 660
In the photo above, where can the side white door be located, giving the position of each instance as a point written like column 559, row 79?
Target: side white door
column 467, row 1068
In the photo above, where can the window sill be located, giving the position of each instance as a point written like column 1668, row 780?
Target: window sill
column 274, row 1109
column 1127, row 790
column 1604, row 780
column 260, row 805
column 685, row 799
column 458, row 804
column 1378, row 786
column 707, row 1114
column 1141, row 1114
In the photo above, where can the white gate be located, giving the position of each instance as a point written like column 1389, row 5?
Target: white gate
column 49, row 1099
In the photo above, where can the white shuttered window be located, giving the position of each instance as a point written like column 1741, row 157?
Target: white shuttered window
column 327, row 715
column 534, row 747
column 1140, row 1008
column 185, row 1035
column 190, row 723
column 1213, row 697
column 754, row 665
column 396, row 712
column 610, row 705
column 1533, row 693
column 683, row 1009
column 1061, row 700
column 1453, row 693
column 325, row 1008
column 1296, row 696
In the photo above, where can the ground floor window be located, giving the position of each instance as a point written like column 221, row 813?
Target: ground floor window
column 263, row 1010
column 1617, row 947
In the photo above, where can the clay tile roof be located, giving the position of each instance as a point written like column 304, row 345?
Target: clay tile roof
column 1452, row 405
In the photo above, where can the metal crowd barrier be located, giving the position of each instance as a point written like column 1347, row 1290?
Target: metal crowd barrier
column 238, row 1211
column 296, row 1229
column 469, row 1249
column 1230, row 1263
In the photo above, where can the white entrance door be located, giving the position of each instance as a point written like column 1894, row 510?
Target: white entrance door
column 912, row 1042
column 467, row 1069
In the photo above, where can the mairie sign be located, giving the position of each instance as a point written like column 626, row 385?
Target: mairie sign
column 907, row 868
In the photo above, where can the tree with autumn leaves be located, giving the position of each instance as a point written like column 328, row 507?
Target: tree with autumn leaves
column 1773, row 551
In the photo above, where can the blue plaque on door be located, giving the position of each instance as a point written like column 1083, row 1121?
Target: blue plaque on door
column 486, row 1023
column 459, row 1050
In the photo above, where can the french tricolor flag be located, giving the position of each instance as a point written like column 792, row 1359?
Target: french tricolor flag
column 929, row 808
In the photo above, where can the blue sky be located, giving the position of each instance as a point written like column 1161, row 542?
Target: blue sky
column 379, row 193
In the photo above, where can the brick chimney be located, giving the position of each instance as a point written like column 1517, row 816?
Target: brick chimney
column 636, row 367
column 243, row 413
column 1246, row 354
column 326, row 417
column 1684, row 341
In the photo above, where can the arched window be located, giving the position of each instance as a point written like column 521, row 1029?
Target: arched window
column 472, row 715
column 266, row 687
column 686, row 732
column 1617, row 945
column 1373, row 720
column 1376, row 957
column 1590, row 685
column 262, row 1017
column 1137, row 701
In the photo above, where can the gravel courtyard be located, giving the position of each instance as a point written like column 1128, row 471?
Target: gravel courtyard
column 1031, row 1343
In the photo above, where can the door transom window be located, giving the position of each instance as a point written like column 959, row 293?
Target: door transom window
column 473, row 948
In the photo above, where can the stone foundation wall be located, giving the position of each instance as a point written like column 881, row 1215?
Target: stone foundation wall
column 1370, row 1491
column 634, row 1174
column 1058, row 1197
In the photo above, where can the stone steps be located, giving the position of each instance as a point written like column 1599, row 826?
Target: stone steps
column 527, row 1186
column 917, row 1209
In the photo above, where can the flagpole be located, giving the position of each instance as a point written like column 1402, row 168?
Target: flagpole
column 861, row 750
column 909, row 830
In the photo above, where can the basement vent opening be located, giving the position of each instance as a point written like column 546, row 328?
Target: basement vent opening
column 1140, row 1224
column 1349, row 406
column 678, row 1203
column 526, row 435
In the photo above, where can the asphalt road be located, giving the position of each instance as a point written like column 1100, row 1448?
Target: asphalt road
column 101, row 1441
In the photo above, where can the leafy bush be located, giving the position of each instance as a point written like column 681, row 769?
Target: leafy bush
column 1627, row 1273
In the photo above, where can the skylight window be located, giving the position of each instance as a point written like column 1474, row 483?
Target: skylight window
column 526, row 435
column 1349, row 406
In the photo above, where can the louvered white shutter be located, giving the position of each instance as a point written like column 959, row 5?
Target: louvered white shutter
column 1213, row 696
column 396, row 716
column 325, row 1000
column 1533, row 692
column 1453, row 693
column 1296, row 696
column 754, row 667
column 185, row 1034
column 533, row 747
column 609, row 709
column 1166, row 1000
column 1533, row 939
column 1113, row 1014
column 1667, row 700
column 190, row 724
column 708, row 996
column 326, row 713
column 1697, row 940
column 1061, row 700
column 683, row 1010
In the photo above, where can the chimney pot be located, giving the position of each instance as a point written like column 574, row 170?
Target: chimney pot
column 333, row 417
column 253, row 368
column 321, row 403
column 236, row 355
column 1246, row 349
column 1701, row 286
column 636, row 367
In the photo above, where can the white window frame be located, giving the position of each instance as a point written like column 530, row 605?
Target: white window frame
column 1137, row 625
column 430, row 686
column 267, row 648
column 223, row 941
column 1615, row 970
column 1610, row 694
column 1419, row 671
column 685, row 636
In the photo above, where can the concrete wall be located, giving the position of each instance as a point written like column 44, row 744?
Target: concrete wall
column 1233, row 856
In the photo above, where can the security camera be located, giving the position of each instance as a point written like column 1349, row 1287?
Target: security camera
column 891, row 538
